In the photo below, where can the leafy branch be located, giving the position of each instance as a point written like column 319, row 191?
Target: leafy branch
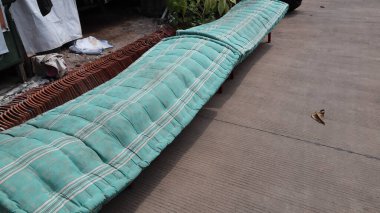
column 188, row 13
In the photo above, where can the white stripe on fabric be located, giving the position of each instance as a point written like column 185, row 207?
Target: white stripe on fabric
column 133, row 153
column 92, row 97
column 68, row 111
column 27, row 159
column 231, row 15
column 147, row 139
column 245, row 22
column 23, row 161
column 118, row 83
column 51, row 201
column 16, row 137
column 119, row 107
column 262, row 32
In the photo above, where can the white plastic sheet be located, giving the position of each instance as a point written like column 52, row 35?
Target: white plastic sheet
column 90, row 46
column 42, row 33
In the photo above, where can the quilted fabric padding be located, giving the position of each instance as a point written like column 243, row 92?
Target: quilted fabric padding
column 78, row 156
column 81, row 154
column 244, row 26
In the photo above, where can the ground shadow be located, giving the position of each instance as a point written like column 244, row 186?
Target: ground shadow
column 113, row 14
column 292, row 14
column 131, row 198
column 297, row 12
column 9, row 80
column 240, row 72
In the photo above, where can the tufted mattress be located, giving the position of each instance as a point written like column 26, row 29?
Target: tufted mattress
column 76, row 157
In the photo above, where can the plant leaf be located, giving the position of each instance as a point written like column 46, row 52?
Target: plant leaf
column 227, row 9
column 207, row 7
column 222, row 7
column 183, row 5
column 214, row 4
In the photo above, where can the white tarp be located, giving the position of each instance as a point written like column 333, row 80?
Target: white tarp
column 42, row 33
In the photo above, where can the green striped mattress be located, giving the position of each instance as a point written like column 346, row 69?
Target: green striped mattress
column 78, row 156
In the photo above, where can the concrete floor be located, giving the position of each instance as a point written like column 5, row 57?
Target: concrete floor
column 255, row 148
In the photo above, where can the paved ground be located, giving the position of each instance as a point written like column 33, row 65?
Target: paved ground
column 255, row 148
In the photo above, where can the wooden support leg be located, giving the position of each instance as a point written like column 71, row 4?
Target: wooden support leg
column 231, row 77
column 270, row 37
column 131, row 185
column 220, row 91
column 21, row 72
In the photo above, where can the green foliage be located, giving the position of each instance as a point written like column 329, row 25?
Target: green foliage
column 189, row 13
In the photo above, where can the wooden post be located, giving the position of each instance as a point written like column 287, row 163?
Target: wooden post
column 21, row 71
